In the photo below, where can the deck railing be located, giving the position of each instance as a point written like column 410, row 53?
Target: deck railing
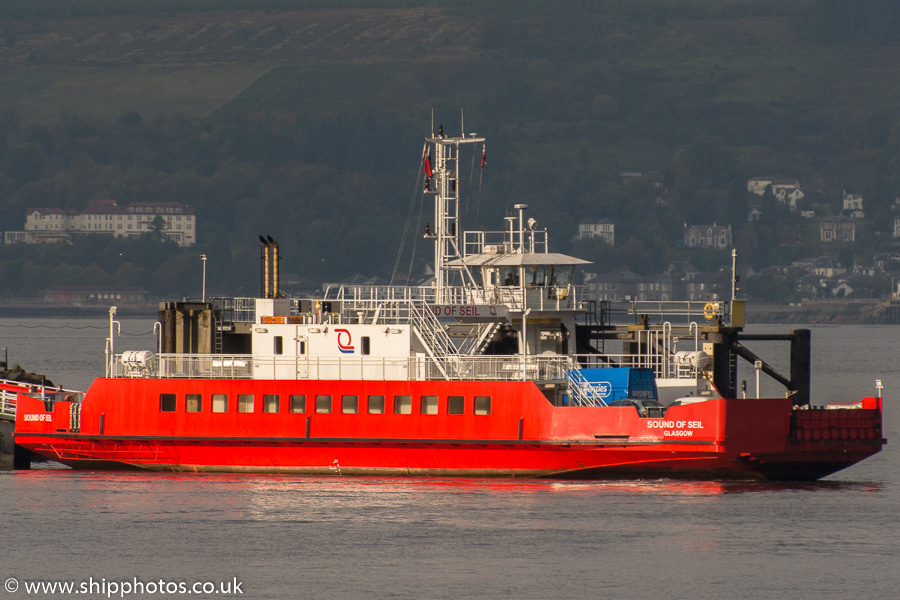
column 9, row 389
column 7, row 404
column 368, row 298
column 244, row 366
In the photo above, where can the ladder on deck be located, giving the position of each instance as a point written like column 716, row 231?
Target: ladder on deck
column 584, row 392
column 434, row 338
column 476, row 344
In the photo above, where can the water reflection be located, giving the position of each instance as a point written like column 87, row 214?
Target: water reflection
column 293, row 496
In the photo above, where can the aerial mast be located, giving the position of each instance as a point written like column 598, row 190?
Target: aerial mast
column 444, row 184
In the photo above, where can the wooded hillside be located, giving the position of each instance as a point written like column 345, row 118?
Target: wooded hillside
column 306, row 124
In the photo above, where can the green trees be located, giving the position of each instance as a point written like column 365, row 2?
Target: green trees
column 324, row 158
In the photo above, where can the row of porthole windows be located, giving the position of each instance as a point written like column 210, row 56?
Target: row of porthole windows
column 324, row 404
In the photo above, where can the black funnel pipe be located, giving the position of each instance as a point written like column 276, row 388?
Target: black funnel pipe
column 264, row 267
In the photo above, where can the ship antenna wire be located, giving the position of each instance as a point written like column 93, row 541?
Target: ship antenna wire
column 471, row 176
column 409, row 214
column 412, row 256
column 480, row 180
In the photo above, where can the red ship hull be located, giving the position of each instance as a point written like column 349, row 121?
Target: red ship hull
column 122, row 426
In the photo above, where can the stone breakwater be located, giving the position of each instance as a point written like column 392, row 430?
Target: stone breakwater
column 20, row 375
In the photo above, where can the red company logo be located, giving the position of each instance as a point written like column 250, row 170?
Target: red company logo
column 344, row 343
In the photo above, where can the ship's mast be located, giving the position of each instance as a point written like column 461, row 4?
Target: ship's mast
column 444, row 185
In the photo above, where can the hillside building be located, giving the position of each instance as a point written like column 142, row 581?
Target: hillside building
column 853, row 205
column 786, row 191
column 837, row 229
column 713, row 236
column 597, row 228
column 106, row 217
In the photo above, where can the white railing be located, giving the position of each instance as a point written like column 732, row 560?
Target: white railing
column 662, row 367
column 584, row 392
column 476, row 242
column 449, row 366
column 195, row 366
column 435, row 340
column 478, row 338
column 518, row 298
column 379, row 293
column 7, row 404
column 683, row 311
column 391, row 299
column 214, row 366
column 9, row 389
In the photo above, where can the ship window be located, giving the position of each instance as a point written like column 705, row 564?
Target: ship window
column 562, row 276
column 270, row 403
column 167, row 402
column 482, row 405
column 301, row 349
column 193, row 403
column 535, row 275
column 509, row 275
column 245, row 403
column 350, row 404
column 298, row 403
column 279, row 345
column 456, row 405
column 376, row 405
column 402, row 405
column 323, row 403
column 429, row 405
column 365, row 345
column 220, row 403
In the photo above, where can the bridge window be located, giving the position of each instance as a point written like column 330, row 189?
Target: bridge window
column 509, row 275
column 323, row 403
column 167, row 402
column 562, row 276
column 193, row 403
column 429, row 405
column 271, row 402
column 402, row 405
column 376, row 405
column 482, row 405
column 349, row 405
column 456, row 405
column 298, row 403
column 220, row 403
column 535, row 275
column 245, row 403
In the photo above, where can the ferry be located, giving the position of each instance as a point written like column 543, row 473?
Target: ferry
column 499, row 367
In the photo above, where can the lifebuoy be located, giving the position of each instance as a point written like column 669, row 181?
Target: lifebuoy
column 709, row 311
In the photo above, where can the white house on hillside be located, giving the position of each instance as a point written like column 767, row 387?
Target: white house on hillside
column 707, row 236
column 597, row 228
column 853, row 204
column 758, row 185
column 106, row 217
column 786, row 190
column 837, row 229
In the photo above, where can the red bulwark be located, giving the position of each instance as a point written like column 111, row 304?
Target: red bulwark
column 123, row 424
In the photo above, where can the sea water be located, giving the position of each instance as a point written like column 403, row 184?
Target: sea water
column 141, row 535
